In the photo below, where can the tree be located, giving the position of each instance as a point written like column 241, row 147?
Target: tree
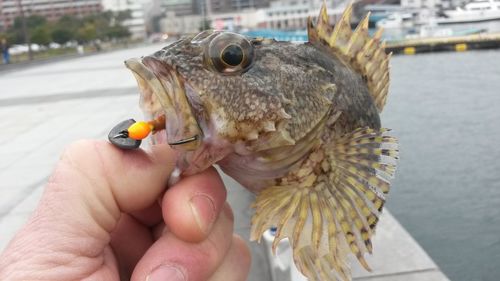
column 41, row 35
column 33, row 22
column 103, row 26
column 61, row 35
column 68, row 22
column 86, row 33
column 122, row 16
column 117, row 32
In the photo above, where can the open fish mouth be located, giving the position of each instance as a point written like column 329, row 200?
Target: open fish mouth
column 163, row 96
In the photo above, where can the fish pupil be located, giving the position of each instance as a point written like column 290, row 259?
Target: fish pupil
column 232, row 55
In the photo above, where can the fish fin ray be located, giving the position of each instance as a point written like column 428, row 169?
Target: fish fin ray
column 364, row 53
column 328, row 207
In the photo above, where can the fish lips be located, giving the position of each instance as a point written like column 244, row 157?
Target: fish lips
column 163, row 91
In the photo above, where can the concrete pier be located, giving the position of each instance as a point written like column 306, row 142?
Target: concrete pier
column 44, row 108
column 443, row 44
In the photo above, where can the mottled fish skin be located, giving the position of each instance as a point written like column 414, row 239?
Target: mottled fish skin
column 298, row 124
column 284, row 75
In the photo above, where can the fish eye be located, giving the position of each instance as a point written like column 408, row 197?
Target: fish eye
column 229, row 54
column 232, row 55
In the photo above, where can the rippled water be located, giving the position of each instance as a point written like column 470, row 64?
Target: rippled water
column 445, row 108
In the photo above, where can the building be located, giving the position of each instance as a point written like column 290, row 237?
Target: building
column 246, row 19
column 181, row 7
column 175, row 25
column 293, row 15
column 280, row 16
column 208, row 7
column 137, row 23
column 50, row 9
column 421, row 4
column 225, row 6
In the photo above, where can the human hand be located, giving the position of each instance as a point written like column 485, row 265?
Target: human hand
column 103, row 216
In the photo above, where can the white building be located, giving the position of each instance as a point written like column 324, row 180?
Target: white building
column 293, row 14
column 283, row 15
column 178, row 25
column 421, row 4
column 137, row 23
column 175, row 25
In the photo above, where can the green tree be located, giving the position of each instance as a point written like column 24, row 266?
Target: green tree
column 65, row 29
column 117, row 32
column 61, row 35
column 41, row 35
column 104, row 26
column 122, row 16
column 86, row 33
column 34, row 23
column 68, row 22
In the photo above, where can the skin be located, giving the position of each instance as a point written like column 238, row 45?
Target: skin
column 105, row 215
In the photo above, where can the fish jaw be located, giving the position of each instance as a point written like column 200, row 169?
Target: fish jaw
column 164, row 92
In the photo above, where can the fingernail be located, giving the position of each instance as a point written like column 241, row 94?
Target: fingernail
column 203, row 209
column 166, row 273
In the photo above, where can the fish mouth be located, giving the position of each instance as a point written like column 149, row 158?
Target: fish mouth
column 163, row 95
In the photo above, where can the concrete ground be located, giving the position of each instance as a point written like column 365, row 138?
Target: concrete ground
column 43, row 108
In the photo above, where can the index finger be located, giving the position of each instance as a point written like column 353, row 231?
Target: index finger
column 109, row 180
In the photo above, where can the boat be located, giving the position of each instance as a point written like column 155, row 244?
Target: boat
column 397, row 20
column 475, row 11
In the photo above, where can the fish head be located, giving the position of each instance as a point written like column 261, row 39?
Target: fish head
column 216, row 93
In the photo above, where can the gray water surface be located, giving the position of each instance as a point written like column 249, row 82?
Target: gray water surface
column 445, row 109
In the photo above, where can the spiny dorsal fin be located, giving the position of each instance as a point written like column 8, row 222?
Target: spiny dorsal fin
column 364, row 53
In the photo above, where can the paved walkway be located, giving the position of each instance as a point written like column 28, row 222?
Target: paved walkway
column 44, row 108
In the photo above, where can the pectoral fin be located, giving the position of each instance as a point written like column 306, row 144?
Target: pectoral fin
column 331, row 204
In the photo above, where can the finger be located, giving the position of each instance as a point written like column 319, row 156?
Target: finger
column 159, row 230
column 136, row 178
column 151, row 216
column 98, row 182
column 236, row 264
column 129, row 241
column 170, row 257
column 191, row 206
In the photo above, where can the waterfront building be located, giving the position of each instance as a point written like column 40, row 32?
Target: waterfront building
column 233, row 21
column 293, row 14
column 422, row 4
column 50, row 9
column 136, row 24
column 208, row 7
column 175, row 25
column 225, row 6
column 188, row 16
column 282, row 15
column 180, row 7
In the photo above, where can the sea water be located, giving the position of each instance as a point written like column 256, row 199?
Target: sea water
column 445, row 109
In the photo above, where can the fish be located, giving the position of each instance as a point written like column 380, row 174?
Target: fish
column 298, row 124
